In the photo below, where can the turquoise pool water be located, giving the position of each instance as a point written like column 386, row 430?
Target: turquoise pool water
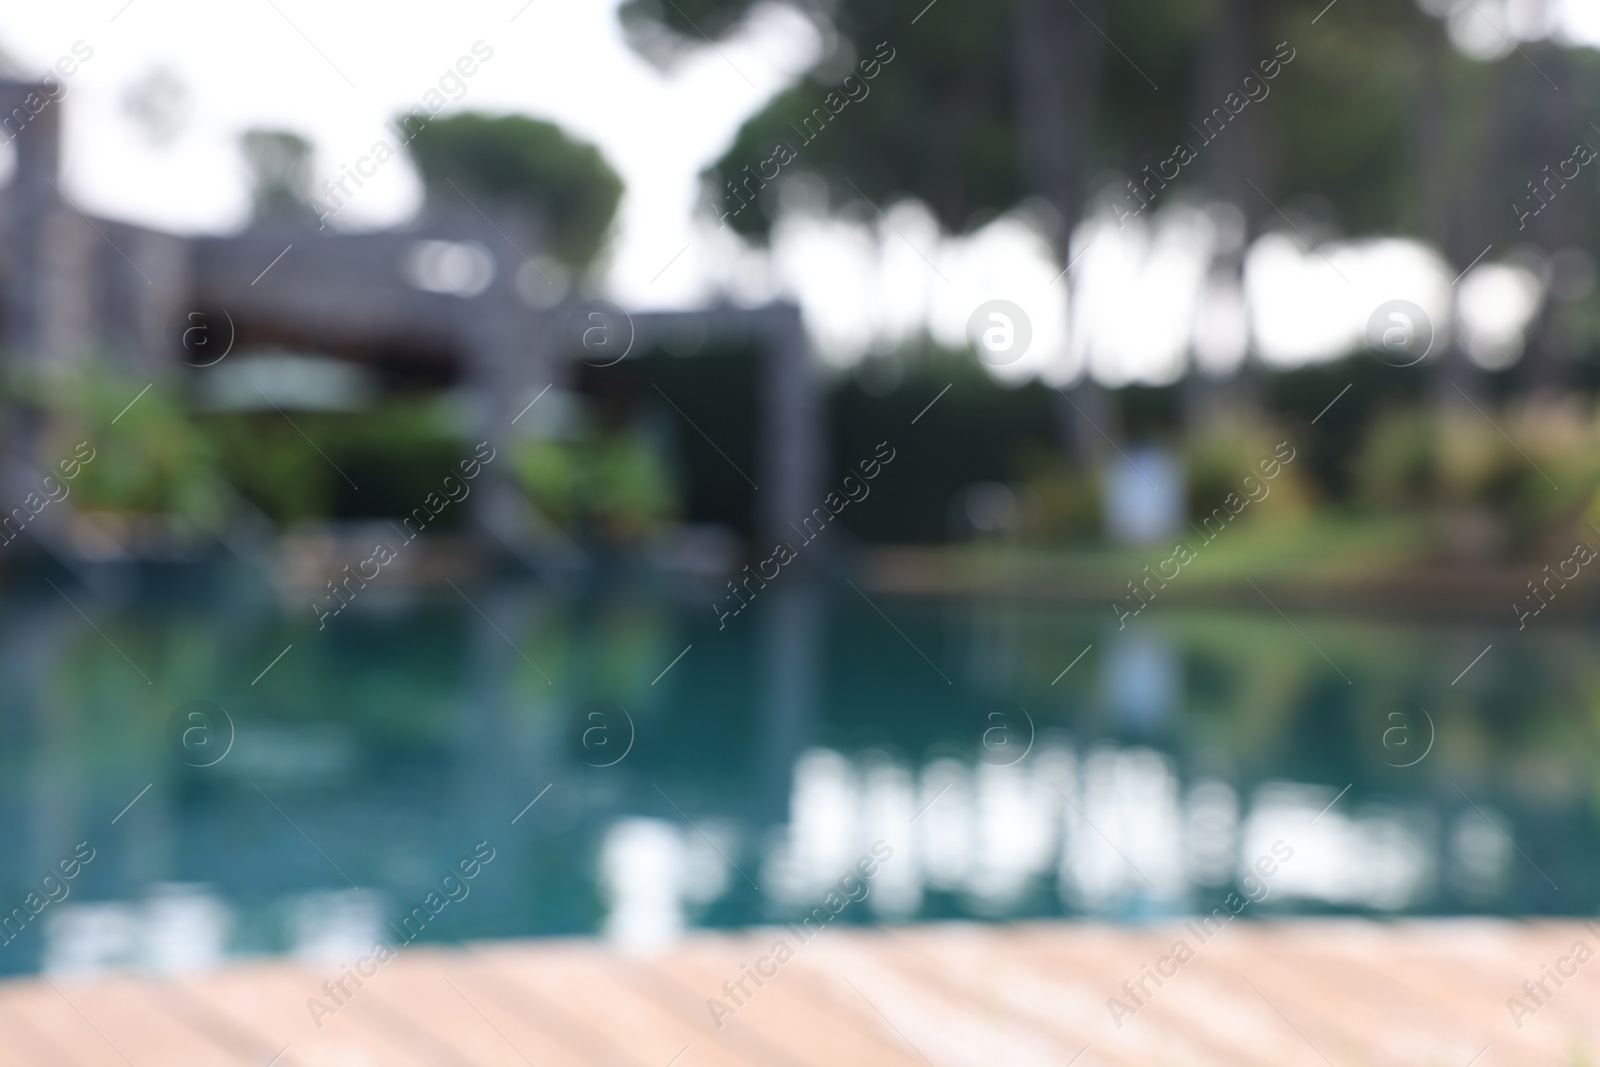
column 609, row 761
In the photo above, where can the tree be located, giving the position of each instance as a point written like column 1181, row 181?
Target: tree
column 280, row 174
column 565, row 187
column 988, row 104
column 1377, row 125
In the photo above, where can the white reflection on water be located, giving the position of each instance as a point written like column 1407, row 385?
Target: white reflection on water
column 1380, row 858
column 82, row 939
column 185, row 929
column 945, row 827
column 888, row 804
column 1211, row 832
column 1016, row 821
column 652, row 874
column 178, row 928
column 642, row 868
column 1480, row 858
column 1126, row 838
column 1115, row 830
column 1111, row 832
column 822, row 838
column 336, row 926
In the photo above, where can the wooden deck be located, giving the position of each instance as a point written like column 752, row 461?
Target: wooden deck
column 1279, row 994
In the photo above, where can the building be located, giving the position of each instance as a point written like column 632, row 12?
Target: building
column 444, row 301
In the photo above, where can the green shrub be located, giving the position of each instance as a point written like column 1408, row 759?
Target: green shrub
column 149, row 458
column 393, row 456
column 1223, row 452
column 1529, row 467
column 609, row 485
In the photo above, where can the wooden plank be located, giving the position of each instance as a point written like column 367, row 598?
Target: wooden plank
column 1447, row 984
column 447, row 1001
column 1066, row 985
column 1339, row 1011
column 780, row 1012
column 1199, row 1028
column 590, row 986
column 1462, row 977
column 688, row 1001
column 1268, row 994
column 24, row 1045
column 866, row 975
column 269, row 999
column 1066, row 1001
column 111, row 1021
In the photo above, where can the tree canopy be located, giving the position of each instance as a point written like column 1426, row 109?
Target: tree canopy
column 564, row 186
column 279, row 162
column 1376, row 125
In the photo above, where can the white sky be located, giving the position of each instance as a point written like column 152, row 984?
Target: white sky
column 245, row 65
column 257, row 63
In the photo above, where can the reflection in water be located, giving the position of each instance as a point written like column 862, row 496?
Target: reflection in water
column 1480, row 856
column 1110, row 828
column 1142, row 681
column 335, row 926
column 642, row 874
column 945, row 801
column 887, row 808
column 178, row 928
column 1167, row 759
column 185, row 928
column 82, row 939
column 821, row 837
column 1014, row 818
column 652, row 875
column 1211, row 833
column 310, row 752
column 1124, row 841
column 1381, row 859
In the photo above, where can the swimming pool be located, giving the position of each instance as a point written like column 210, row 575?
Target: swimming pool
column 248, row 784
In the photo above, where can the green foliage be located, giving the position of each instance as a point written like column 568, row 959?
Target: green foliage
column 148, row 457
column 1060, row 501
column 1456, row 460
column 718, row 390
column 687, row 19
column 271, row 466
column 935, row 123
column 396, row 453
column 564, row 185
column 280, row 173
column 1221, row 454
column 606, row 484
column 1374, row 107
column 978, row 431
